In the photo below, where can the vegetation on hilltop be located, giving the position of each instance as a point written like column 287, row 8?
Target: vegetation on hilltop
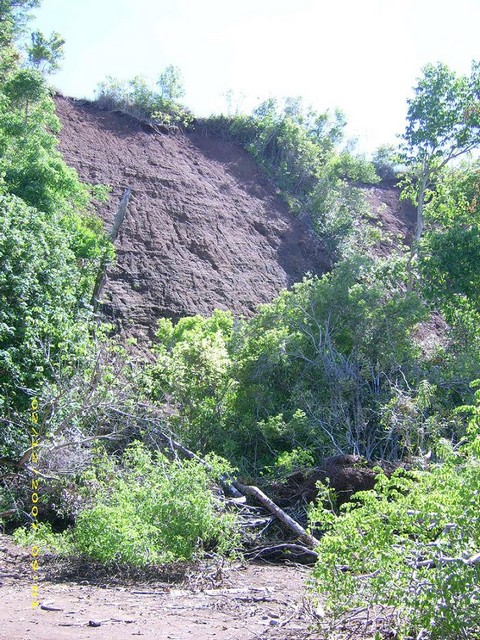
column 136, row 98
column 335, row 365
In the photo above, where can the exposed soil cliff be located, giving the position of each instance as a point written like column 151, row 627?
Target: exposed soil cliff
column 205, row 229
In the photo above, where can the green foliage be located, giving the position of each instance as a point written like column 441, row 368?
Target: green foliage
column 171, row 84
column 450, row 252
column 153, row 511
column 143, row 510
column 192, row 371
column 314, row 370
column 472, row 441
column 452, row 266
column 136, row 98
column 443, row 123
column 443, row 116
column 43, row 291
column 385, row 161
column 46, row 54
column 408, row 545
column 14, row 15
column 50, row 242
column 31, row 166
column 338, row 212
column 45, row 539
column 289, row 461
column 25, row 87
column 331, row 347
column 448, row 258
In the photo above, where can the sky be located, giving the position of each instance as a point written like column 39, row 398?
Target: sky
column 362, row 56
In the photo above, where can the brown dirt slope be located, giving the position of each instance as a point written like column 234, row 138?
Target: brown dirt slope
column 396, row 218
column 204, row 228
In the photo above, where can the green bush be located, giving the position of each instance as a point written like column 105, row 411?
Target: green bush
column 314, row 370
column 143, row 510
column 44, row 293
column 51, row 246
column 289, row 461
column 45, row 539
column 192, row 370
column 410, row 545
column 155, row 511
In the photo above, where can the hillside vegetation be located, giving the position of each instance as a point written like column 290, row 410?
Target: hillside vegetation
column 120, row 458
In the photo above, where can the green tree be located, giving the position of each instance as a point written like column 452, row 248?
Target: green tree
column 171, row 84
column 448, row 259
column 443, row 124
column 332, row 348
column 43, row 291
column 50, row 242
column 14, row 15
column 193, row 372
column 46, row 54
column 450, row 250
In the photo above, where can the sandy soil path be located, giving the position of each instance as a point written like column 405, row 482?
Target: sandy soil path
column 254, row 601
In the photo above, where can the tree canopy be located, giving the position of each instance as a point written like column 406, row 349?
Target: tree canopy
column 443, row 124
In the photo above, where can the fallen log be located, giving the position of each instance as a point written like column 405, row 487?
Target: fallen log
column 286, row 548
column 289, row 522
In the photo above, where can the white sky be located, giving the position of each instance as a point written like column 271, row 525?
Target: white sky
column 360, row 55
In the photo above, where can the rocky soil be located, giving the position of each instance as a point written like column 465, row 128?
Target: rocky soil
column 205, row 228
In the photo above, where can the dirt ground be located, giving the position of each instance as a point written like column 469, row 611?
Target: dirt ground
column 245, row 602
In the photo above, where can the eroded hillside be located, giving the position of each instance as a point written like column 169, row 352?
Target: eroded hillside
column 205, row 229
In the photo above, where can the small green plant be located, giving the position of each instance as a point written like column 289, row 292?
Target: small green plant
column 45, row 539
column 289, row 461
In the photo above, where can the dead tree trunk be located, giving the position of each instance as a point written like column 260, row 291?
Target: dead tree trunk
column 102, row 271
column 120, row 215
column 248, row 490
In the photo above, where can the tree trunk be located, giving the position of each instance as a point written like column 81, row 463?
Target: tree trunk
column 420, row 207
column 420, row 224
column 117, row 223
column 307, row 538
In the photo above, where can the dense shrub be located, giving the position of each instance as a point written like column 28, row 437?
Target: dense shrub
column 314, row 369
column 44, row 289
column 411, row 545
column 157, row 511
column 51, row 244
column 145, row 510
column 193, row 373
